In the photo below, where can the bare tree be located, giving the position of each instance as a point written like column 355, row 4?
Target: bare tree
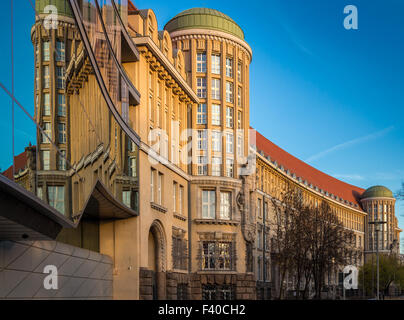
column 308, row 241
column 289, row 229
column 330, row 244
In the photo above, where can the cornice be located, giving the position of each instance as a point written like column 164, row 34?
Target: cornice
column 156, row 56
column 211, row 35
column 307, row 188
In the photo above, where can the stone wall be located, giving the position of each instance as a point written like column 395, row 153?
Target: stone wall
column 146, row 284
column 82, row 274
column 244, row 284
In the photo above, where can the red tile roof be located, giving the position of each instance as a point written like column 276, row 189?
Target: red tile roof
column 20, row 163
column 306, row 172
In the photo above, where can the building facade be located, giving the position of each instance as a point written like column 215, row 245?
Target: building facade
column 146, row 146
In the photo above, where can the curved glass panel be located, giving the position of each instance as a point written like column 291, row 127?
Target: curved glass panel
column 74, row 148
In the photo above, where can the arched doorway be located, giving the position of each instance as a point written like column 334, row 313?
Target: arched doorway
column 157, row 259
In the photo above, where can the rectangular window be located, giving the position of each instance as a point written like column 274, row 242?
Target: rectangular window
column 158, row 89
column 259, row 239
column 153, row 172
column 37, row 79
column 229, row 117
column 39, row 193
column 216, row 255
column 182, row 291
column 201, row 87
column 45, row 155
column 239, row 96
column 216, row 166
column 151, row 81
column 47, row 128
column 240, row 147
column 180, row 200
column 201, row 114
column 62, row 160
column 132, row 165
column 56, row 196
column 229, row 143
column 216, row 89
column 202, row 166
column 239, row 71
column 46, row 52
column 229, row 168
column 259, row 268
column 215, row 115
column 229, row 92
column 158, row 112
column 60, row 77
column 46, row 104
column 126, row 198
column 46, row 77
column 179, row 254
column 174, row 196
column 225, row 205
column 208, row 204
column 61, row 105
column 150, row 106
column 216, row 141
column 159, row 189
column 60, row 51
column 259, row 208
column 36, row 52
column 201, row 62
column 215, row 64
column 62, row 132
column 239, row 120
column 209, row 256
column 202, row 143
column 229, row 67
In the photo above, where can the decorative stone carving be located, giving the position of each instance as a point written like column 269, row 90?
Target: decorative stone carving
column 248, row 223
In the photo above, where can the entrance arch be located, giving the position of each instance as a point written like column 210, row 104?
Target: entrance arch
column 157, row 253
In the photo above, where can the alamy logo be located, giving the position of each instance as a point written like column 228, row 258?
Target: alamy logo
column 350, row 277
column 51, row 280
column 351, row 20
column 51, row 20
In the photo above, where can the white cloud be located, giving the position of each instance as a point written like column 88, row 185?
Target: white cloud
column 350, row 143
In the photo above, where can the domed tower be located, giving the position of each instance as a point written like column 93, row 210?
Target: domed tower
column 52, row 37
column 217, row 60
column 379, row 203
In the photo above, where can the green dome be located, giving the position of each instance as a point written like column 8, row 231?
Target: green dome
column 204, row 18
column 377, row 192
column 62, row 6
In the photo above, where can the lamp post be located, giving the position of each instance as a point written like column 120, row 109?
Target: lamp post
column 377, row 224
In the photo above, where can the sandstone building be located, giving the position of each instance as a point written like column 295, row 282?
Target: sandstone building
column 146, row 146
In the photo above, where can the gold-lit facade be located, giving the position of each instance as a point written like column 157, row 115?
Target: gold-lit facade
column 149, row 150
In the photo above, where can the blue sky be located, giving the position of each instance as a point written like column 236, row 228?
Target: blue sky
column 329, row 96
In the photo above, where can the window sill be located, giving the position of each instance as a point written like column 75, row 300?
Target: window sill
column 180, row 216
column 217, row 221
column 180, row 271
column 217, row 271
column 158, row 207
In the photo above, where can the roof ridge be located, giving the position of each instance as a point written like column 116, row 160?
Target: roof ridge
column 309, row 173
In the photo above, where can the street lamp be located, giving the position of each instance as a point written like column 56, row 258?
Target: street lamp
column 377, row 224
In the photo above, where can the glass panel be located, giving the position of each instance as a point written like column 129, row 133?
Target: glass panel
column 73, row 137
